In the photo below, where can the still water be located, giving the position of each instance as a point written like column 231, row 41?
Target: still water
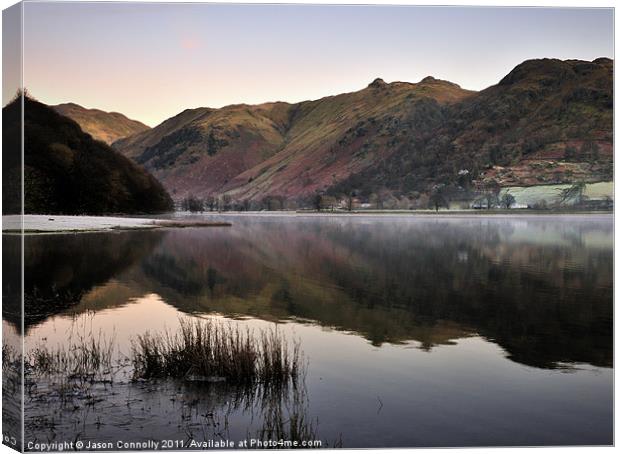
column 418, row 331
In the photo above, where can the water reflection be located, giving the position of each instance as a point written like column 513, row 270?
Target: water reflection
column 59, row 270
column 541, row 288
column 12, row 341
column 466, row 394
column 196, row 415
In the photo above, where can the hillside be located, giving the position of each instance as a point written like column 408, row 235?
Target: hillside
column 105, row 126
column 284, row 149
column 205, row 148
column 67, row 171
column 547, row 122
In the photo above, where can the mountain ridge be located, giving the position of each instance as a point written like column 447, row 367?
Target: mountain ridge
column 101, row 125
column 399, row 137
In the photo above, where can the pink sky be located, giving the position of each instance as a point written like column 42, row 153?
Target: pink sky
column 151, row 61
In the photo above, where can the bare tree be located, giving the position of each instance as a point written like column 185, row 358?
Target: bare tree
column 376, row 199
column 575, row 192
column 193, row 204
column 317, row 201
column 590, row 150
column 508, row 200
column 328, row 202
column 491, row 193
column 226, row 199
column 210, row 202
column 349, row 199
column 438, row 197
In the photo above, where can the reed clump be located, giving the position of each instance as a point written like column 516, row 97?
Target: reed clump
column 210, row 351
column 9, row 356
column 86, row 358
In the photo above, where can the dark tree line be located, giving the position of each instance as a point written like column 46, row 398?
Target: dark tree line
column 66, row 171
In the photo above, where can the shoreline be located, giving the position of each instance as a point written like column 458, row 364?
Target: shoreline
column 512, row 212
column 403, row 213
column 48, row 224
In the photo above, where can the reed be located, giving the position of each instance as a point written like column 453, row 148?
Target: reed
column 205, row 350
column 9, row 356
column 89, row 357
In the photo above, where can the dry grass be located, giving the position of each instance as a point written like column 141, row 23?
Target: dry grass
column 12, row 366
column 87, row 358
column 214, row 351
column 9, row 356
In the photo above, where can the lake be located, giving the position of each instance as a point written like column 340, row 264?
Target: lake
column 416, row 330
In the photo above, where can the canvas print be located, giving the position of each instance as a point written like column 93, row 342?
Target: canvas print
column 235, row 226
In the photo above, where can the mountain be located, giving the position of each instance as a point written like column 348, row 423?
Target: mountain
column 548, row 121
column 280, row 148
column 104, row 126
column 67, row 171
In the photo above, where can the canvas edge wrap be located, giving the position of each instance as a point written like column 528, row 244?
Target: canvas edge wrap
column 12, row 232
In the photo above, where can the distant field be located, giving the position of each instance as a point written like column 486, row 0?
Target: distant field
column 550, row 193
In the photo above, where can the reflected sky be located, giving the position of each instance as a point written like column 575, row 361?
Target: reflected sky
column 466, row 393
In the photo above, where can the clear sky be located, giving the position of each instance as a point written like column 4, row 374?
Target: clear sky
column 151, row 61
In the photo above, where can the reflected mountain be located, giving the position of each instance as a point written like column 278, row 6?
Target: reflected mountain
column 541, row 288
column 60, row 269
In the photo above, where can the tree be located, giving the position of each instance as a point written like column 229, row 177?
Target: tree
column 328, row 202
column 210, row 202
column 508, row 200
column 436, row 201
column 438, row 197
column 495, row 154
column 274, row 202
column 590, row 149
column 491, row 193
column 464, row 178
column 375, row 200
column 570, row 153
column 226, row 199
column 317, row 201
column 574, row 192
column 193, row 204
column 349, row 199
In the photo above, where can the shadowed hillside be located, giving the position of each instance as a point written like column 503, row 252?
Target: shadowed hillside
column 547, row 122
column 105, row 126
column 67, row 171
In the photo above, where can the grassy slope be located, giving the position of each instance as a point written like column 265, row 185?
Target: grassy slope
column 134, row 145
column 531, row 195
column 338, row 136
column 207, row 147
column 105, row 126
